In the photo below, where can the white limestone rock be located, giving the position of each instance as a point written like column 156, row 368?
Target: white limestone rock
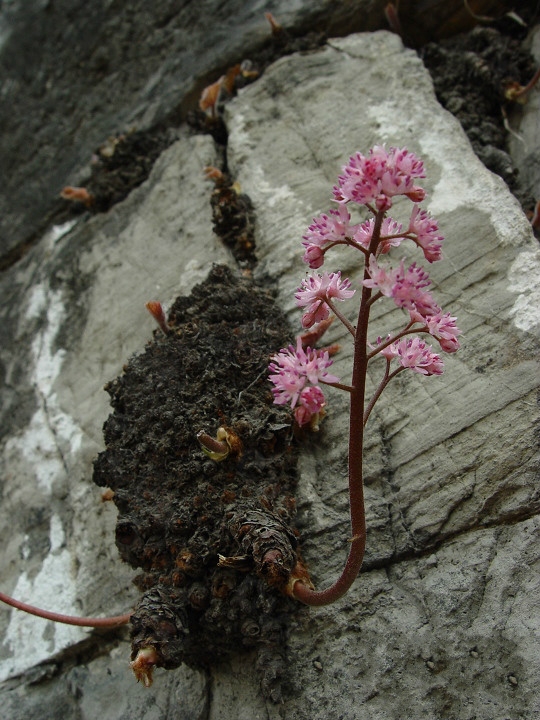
column 451, row 462
column 77, row 312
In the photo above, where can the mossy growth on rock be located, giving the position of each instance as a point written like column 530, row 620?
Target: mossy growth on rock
column 179, row 511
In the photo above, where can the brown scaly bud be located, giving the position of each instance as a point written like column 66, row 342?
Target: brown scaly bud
column 514, row 92
column 144, row 664
column 248, row 70
column 210, row 96
column 243, row 563
column 270, row 542
column 310, row 338
column 223, row 583
column 77, row 194
column 392, row 18
column 332, row 349
column 107, row 495
column 299, row 574
column 156, row 310
column 215, row 174
column 277, row 29
column 229, row 79
column 224, row 444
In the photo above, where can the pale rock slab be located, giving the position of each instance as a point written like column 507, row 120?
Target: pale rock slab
column 76, row 314
column 445, row 457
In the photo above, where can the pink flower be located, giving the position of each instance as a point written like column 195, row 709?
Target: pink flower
column 426, row 230
column 405, row 287
column 287, row 385
column 389, row 352
column 313, row 256
column 379, row 177
column 292, row 367
column 311, row 402
column 413, row 353
column 364, row 233
column 329, row 228
column 445, row 330
column 313, row 399
column 316, row 290
column 326, row 229
column 302, row 415
column 382, row 279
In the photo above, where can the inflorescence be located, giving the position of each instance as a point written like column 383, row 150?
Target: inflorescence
column 297, row 373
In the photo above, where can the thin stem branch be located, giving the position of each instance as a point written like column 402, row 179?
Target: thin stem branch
column 341, row 317
column 66, row 619
column 339, row 386
column 349, row 242
column 377, row 393
column 384, row 382
column 407, row 331
column 375, row 297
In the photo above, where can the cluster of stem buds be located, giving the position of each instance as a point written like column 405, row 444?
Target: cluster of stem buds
column 297, row 373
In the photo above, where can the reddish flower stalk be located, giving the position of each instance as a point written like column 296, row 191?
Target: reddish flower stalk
column 66, row 619
column 372, row 181
column 356, row 449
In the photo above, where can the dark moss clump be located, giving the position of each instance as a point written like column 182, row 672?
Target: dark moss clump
column 178, row 510
column 470, row 73
column 123, row 163
column 234, row 221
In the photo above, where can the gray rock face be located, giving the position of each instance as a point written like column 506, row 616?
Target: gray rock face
column 74, row 73
column 77, row 312
column 451, row 464
column 442, row 622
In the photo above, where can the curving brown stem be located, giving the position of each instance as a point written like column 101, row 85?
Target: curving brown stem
column 66, row 619
column 356, row 446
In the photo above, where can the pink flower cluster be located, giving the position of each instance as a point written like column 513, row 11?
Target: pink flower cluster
column 379, row 177
column 416, row 355
column 391, row 234
column 295, row 374
column 373, row 180
column 425, row 232
column 326, row 229
column 376, row 179
column 407, row 289
column 316, row 290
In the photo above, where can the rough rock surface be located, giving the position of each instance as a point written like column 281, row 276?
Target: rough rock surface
column 452, row 466
column 441, row 623
column 73, row 74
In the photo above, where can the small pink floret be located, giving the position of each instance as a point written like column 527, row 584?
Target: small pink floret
column 329, row 228
column 426, row 230
column 379, row 177
column 292, row 368
column 405, row 287
column 389, row 227
column 445, row 330
column 413, row 353
column 316, row 290
column 313, row 256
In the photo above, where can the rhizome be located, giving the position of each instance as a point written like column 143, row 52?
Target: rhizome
column 179, row 510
